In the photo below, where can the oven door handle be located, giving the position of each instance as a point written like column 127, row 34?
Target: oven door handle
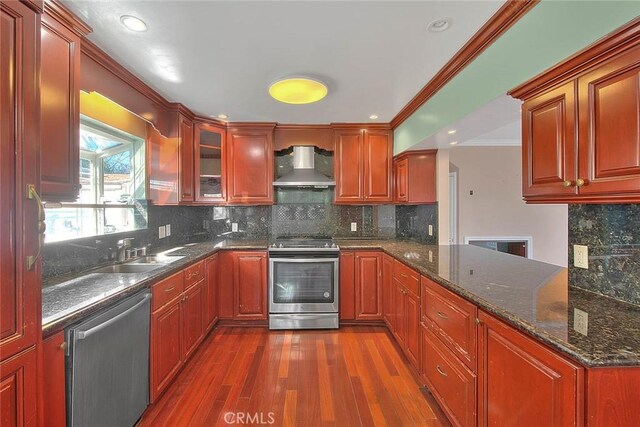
column 304, row 259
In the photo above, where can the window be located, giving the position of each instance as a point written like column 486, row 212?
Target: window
column 113, row 194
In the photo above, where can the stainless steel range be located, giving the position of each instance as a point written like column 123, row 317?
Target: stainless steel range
column 303, row 284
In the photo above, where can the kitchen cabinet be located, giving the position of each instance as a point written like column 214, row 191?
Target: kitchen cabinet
column 177, row 324
column 185, row 136
column 18, row 392
column 250, row 172
column 209, row 163
column 59, row 108
column 407, row 310
column 363, row 165
column 449, row 381
column 347, row 285
column 522, row 382
column 580, row 127
column 612, row 396
column 415, row 177
column 243, row 292
column 388, row 308
column 53, row 380
column 20, row 298
column 211, row 284
column 368, row 285
column 164, row 167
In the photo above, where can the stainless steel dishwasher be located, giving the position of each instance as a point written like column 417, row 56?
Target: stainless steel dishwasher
column 108, row 365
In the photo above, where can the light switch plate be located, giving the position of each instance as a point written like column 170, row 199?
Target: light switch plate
column 580, row 321
column 430, row 230
column 234, row 226
column 161, row 232
column 354, row 226
column 581, row 256
column 430, row 256
column 167, row 229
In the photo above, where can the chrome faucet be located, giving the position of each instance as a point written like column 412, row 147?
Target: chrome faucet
column 123, row 248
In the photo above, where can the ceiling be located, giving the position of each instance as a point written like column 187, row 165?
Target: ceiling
column 219, row 57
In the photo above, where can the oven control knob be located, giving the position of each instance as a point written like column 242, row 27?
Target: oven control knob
column 333, row 245
column 281, row 245
column 326, row 245
column 326, row 294
column 273, row 245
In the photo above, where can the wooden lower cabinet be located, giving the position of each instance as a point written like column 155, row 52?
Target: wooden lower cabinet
column 53, row 380
column 18, row 392
column 243, row 285
column 612, row 396
column 166, row 357
column 347, row 285
column 211, row 282
column 368, row 285
column 193, row 318
column 448, row 379
column 388, row 310
column 412, row 340
column 522, row 382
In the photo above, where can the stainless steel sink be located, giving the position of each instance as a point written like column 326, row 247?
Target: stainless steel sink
column 128, row 268
column 155, row 259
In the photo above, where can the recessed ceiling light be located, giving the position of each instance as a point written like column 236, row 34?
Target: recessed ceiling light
column 439, row 25
column 223, row 116
column 373, row 116
column 451, row 132
column 298, row 90
column 454, row 143
column 133, row 23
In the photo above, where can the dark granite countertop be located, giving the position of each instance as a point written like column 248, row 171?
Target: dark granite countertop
column 68, row 299
column 530, row 295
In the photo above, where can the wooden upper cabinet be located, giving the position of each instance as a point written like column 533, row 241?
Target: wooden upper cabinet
column 209, row 164
column 415, row 177
column 368, row 285
column 250, row 165
column 363, row 166
column 164, row 167
column 378, row 166
column 185, row 136
column 522, row 382
column 581, row 128
column 609, row 126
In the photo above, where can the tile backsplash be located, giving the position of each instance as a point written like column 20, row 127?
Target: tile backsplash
column 311, row 216
column 613, row 236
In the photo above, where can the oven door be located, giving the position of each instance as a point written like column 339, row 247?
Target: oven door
column 303, row 284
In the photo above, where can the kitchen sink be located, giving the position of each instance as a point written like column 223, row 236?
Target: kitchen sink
column 155, row 259
column 128, row 268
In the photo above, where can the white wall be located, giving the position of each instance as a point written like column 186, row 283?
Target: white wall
column 442, row 182
column 496, row 208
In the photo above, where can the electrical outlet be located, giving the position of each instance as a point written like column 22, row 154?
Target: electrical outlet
column 161, row 232
column 580, row 321
column 430, row 230
column 354, row 226
column 234, row 226
column 581, row 256
column 430, row 256
column 167, row 229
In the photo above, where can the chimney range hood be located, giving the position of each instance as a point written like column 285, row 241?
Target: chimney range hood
column 304, row 174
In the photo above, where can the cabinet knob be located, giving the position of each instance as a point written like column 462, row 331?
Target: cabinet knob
column 568, row 183
column 580, row 182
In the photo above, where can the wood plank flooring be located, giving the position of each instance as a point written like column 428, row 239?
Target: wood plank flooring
column 354, row 376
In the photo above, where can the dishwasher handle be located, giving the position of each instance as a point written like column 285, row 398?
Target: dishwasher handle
column 86, row 334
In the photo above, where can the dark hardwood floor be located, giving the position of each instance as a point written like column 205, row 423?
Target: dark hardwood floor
column 354, row 376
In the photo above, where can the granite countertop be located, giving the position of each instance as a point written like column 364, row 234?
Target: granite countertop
column 67, row 299
column 530, row 295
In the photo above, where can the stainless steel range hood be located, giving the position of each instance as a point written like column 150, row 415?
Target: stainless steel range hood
column 304, row 174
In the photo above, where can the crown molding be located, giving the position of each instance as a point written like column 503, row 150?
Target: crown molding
column 60, row 13
column 499, row 23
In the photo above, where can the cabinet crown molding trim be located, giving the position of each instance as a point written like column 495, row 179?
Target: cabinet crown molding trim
column 57, row 11
column 608, row 46
column 363, row 126
column 413, row 153
column 499, row 23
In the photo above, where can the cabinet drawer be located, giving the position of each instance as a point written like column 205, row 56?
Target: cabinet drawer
column 452, row 318
column 450, row 381
column 408, row 277
column 193, row 274
column 166, row 290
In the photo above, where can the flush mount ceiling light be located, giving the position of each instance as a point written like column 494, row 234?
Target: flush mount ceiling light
column 373, row 116
column 451, row 132
column 439, row 25
column 298, row 90
column 133, row 23
column 223, row 116
column 454, row 143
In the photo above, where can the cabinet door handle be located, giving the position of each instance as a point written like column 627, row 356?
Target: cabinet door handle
column 32, row 194
column 440, row 371
column 442, row 315
column 170, row 289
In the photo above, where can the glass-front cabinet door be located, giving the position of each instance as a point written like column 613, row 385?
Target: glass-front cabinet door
column 209, row 163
